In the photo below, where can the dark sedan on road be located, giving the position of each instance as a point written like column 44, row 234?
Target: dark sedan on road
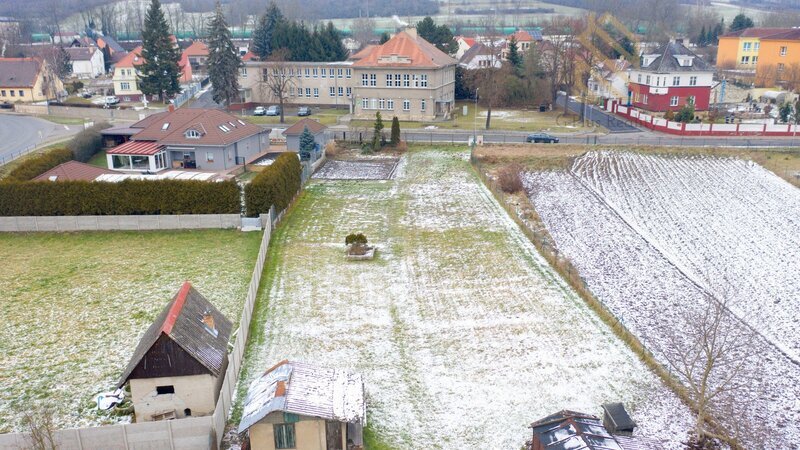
column 541, row 137
column 303, row 111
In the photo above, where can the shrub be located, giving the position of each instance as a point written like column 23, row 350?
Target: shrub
column 137, row 197
column 508, row 178
column 275, row 185
column 395, row 140
column 34, row 166
column 354, row 238
column 669, row 115
column 87, row 143
column 331, row 149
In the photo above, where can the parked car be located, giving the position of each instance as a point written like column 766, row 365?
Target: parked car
column 111, row 100
column 274, row 110
column 304, row 111
column 6, row 105
column 86, row 95
column 541, row 137
column 259, row 111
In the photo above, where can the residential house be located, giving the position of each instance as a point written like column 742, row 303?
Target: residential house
column 406, row 77
column 740, row 49
column 300, row 406
column 318, row 130
column 669, row 78
column 87, row 62
column 524, row 41
column 113, row 45
column 609, row 79
column 189, row 138
column 179, row 364
column 464, row 43
column 126, row 78
column 197, row 54
column 779, row 60
column 27, row 80
column 576, row 430
column 480, row 56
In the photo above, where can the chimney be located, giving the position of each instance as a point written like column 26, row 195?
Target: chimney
column 171, row 107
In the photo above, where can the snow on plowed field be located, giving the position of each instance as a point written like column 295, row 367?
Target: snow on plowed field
column 362, row 169
column 729, row 224
column 641, row 284
column 462, row 331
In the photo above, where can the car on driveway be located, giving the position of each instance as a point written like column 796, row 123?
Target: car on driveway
column 111, row 100
column 273, row 110
column 259, row 111
column 541, row 137
column 304, row 111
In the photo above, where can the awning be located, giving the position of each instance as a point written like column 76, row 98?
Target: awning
column 137, row 148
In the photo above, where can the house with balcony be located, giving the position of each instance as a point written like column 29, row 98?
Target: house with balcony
column 206, row 139
column 669, row 78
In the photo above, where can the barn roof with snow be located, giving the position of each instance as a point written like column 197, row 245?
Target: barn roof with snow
column 198, row 331
column 307, row 390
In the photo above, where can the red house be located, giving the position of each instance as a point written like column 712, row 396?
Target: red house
column 669, row 78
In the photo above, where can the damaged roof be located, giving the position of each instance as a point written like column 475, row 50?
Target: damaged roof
column 307, row 390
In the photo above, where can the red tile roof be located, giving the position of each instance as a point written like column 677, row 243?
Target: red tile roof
column 406, row 49
column 197, row 48
column 132, row 59
column 136, row 148
column 72, row 171
column 297, row 129
column 467, row 40
column 248, row 56
column 207, row 122
column 521, row 36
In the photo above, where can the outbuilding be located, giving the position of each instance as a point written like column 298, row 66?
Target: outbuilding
column 295, row 405
column 318, row 130
column 179, row 365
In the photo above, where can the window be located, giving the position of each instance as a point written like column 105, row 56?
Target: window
column 125, row 86
column 364, row 103
column 291, row 91
column 647, row 80
column 644, row 99
column 322, row 72
column 348, row 73
column 755, row 59
column 373, row 79
column 3, row 93
column 415, row 79
column 424, row 80
column 243, row 72
column 339, row 73
column 161, row 390
column 406, row 80
column 332, row 91
column 308, row 92
column 422, row 105
column 747, row 46
column 390, row 104
column 341, row 91
column 316, row 92
column 690, row 99
column 209, row 156
column 745, row 60
column 406, row 105
column 639, row 78
column 692, row 81
column 308, row 72
column 284, row 435
column 381, row 104
column 783, row 51
column 373, row 103
column 673, row 101
column 781, row 66
column 187, row 412
column 291, row 71
column 676, row 81
column 397, row 80
column 165, row 126
column 349, row 91
column 192, row 134
column 364, row 79
column 314, row 72
column 388, row 80
column 757, row 45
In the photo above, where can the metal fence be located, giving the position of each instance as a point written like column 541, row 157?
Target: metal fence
column 188, row 92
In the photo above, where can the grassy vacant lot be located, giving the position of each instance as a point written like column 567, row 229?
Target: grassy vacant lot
column 462, row 331
column 326, row 116
column 75, row 305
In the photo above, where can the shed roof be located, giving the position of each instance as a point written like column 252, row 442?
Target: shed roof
column 297, row 129
column 72, row 171
column 307, row 390
column 181, row 321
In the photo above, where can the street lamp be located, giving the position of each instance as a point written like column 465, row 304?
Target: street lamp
column 475, row 121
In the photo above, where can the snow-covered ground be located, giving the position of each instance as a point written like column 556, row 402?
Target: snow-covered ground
column 463, row 333
column 366, row 169
column 653, row 236
column 74, row 305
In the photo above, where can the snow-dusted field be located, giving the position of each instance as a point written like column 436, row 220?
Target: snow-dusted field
column 652, row 236
column 74, row 305
column 362, row 169
column 462, row 331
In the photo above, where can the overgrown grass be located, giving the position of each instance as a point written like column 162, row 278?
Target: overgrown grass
column 75, row 304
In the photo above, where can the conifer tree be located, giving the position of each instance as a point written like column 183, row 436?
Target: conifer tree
column 161, row 69
column 223, row 61
column 377, row 136
column 395, row 139
column 307, row 143
column 385, row 37
column 514, row 56
column 265, row 30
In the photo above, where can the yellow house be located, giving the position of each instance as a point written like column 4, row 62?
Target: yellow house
column 779, row 61
column 27, row 80
column 768, row 55
column 299, row 406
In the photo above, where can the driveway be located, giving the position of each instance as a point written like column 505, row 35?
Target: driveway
column 611, row 122
column 205, row 100
column 20, row 133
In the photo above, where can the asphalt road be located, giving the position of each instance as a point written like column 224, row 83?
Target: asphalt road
column 205, row 100
column 20, row 133
column 605, row 119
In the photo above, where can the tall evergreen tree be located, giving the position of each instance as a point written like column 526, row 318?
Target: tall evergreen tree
column 740, row 22
column 514, row 57
column 395, row 139
column 377, row 132
column 702, row 39
column 265, row 30
column 307, row 144
column 440, row 36
column 161, row 69
column 223, row 61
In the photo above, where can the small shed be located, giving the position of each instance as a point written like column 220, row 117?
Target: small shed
column 302, row 406
column 179, row 365
column 318, row 130
column 616, row 419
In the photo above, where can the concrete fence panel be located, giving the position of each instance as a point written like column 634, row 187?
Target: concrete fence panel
column 135, row 223
column 751, row 127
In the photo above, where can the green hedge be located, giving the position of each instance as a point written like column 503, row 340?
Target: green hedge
column 76, row 198
column 87, row 143
column 276, row 185
column 30, row 168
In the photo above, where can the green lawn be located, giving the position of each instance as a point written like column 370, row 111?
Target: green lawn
column 75, row 304
column 455, row 325
column 326, row 116
column 99, row 160
column 63, row 120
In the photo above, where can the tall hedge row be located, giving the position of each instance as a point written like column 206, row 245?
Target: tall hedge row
column 87, row 143
column 76, row 198
column 30, row 168
column 276, row 185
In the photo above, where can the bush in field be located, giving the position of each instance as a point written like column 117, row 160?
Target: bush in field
column 87, row 143
column 276, row 185
column 32, row 167
column 355, row 238
column 508, row 178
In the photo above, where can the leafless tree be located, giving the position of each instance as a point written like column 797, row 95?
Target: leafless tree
column 276, row 81
column 108, row 19
column 363, row 30
column 41, row 429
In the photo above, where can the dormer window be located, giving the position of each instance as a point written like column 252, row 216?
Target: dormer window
column 192, row 134
column 684, row 60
